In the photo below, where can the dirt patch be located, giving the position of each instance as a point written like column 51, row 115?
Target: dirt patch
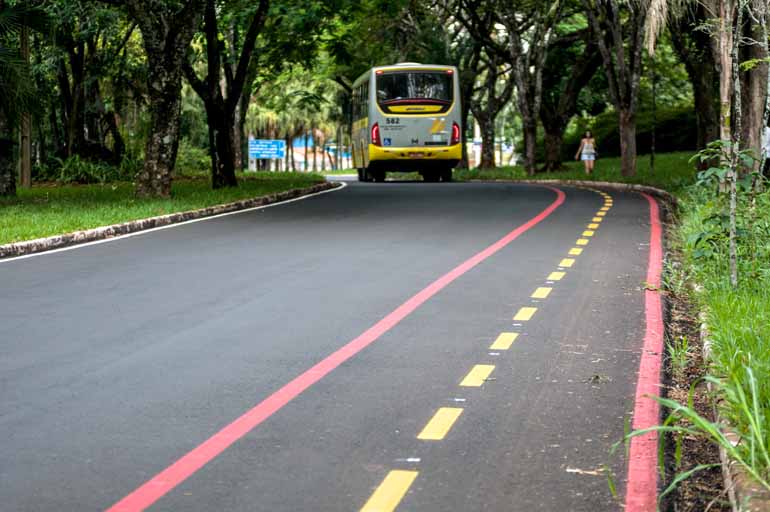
column 704, row 491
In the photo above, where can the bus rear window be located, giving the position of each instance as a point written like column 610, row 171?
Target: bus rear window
column 414, row 87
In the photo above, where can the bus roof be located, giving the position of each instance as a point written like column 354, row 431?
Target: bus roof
column 403, row 66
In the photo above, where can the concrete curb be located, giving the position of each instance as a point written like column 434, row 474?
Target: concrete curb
column 611, row 185
column 125, row 228
column 743, row 492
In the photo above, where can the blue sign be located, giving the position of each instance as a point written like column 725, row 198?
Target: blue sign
column 267, row 149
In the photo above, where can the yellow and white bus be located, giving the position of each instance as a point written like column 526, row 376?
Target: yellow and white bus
column 407, row 118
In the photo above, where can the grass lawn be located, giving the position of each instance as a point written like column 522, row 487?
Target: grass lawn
column 339, row 172
column 46, row 210
column 672, row 172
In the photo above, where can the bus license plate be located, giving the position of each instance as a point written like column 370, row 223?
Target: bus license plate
column 417, row 155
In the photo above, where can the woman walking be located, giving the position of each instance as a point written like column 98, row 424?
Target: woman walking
column 587, row 151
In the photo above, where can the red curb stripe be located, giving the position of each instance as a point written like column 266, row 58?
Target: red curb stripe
column 154, row 489
column 642, row 490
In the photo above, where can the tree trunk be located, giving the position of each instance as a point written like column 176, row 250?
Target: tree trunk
column 288, row 151
column 154, row 180
column 705, row 97
column 627, row 125
column 529, row 127
column 238, row 137
column 224, row 175
column 726, row 65
column 754, row 96
column 697, row 50
column 291, row 153
column 554, row 139
column 25, row 157
column 465, row 116
column 487, row 142
column 305, row 163
column 166, row 35
column 323, row 155
column 315, row 149
column 7, row 167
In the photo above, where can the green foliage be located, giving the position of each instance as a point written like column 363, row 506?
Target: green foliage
column 675, row 130
column 79, row 170
column 738, row 320
column 679, row 353
column 17, row 91
column 192, row 160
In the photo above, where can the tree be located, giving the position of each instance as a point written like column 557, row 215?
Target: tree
column 753, row 55
column 571, row 63
column 486, row 102
column 89, row 40
column 624, row 25
column 167, row 28
column 17, row 92
column 520, row 33
column 697, row 50
column 222, row 99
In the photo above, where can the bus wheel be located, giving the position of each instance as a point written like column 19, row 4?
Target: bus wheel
column 446, row 175
column 379, row 176
column 361, row 174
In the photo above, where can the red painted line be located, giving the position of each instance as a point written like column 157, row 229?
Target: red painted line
column 152, row 490
column 642, row 489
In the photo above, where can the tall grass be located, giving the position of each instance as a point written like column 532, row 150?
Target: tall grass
column 738, row 321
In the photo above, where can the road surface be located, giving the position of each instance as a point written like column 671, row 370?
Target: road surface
column 199, row 368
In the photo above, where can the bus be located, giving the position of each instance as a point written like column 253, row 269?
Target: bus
column 407, row 118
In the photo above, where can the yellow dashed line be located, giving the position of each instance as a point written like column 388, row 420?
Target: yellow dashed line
column 601, row 213
column 504, row 341
column 566, row 262
column 440, row 423
column 596, row 219
column 525, row 314
column 541, row 293
column 477, row 375
column 556, row 276
column 390, row 492
column 604, row 208
column 593, row 226
column 588, row 232
column 581, row 241
column 575, row 251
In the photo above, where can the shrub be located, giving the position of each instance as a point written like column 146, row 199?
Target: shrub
column 83, row 171
column 675, row 130
column 192, row 160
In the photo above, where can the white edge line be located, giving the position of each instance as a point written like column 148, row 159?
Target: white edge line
column 174, row 225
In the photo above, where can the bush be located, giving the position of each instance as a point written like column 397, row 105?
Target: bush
column 675, row 130
column 192, row 160
column 79, row 170
column 83, row 171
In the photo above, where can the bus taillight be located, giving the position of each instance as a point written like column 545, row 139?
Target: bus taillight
column 455, row 134
column 376, row 134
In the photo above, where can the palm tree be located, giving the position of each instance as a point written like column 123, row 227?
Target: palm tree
column 17, row 93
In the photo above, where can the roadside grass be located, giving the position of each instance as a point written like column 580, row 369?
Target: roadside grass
column 672, row 172
column 338, row 172
column 738, row 319
column 52, row 209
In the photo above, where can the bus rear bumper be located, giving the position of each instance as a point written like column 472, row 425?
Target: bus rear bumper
column 448, row 155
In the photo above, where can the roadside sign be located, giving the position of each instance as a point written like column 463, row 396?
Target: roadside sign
column 267, row 149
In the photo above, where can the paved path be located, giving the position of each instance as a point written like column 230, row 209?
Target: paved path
column 499, row 387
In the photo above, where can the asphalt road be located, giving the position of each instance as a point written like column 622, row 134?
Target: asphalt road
column 118, row 359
